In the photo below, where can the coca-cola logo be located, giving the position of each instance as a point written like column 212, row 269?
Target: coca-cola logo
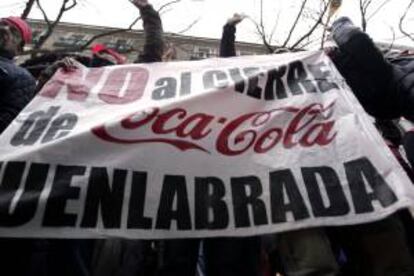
column 308, row 126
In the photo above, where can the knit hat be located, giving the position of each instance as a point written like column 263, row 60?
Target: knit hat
column 21, row 26
column 100, row 48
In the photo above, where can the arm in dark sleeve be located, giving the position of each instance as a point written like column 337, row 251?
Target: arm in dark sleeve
column 369, row 74
column 44, row 76
column 357, row 43
column 4, row 75
column 227, row 47
column 408, row 143
column 153, row 35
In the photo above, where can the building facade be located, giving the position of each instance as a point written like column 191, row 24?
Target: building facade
column 130, row 43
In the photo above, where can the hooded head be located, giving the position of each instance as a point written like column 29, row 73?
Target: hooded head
column 14, row 34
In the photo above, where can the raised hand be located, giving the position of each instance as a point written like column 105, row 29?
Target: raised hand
column 140, row 3
column 236, row 19
column 68, row 64
column 334, row 7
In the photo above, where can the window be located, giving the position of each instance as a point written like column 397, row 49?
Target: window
column 204, row 52
column 72, row 40
column 120, row 45
column 246, row 53
column 201, row 53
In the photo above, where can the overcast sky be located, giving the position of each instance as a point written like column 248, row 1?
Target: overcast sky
column 213, row 13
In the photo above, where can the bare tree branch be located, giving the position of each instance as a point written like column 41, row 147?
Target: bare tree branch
column 66, row 6
column 262, row 36
column 74, row 3
column 334, row 5
column 261, row 16
column 27, row 9
column 363, row 8
column 362, row 12
column 393, row 39
column 275, row 26
column 402, row 19
column 117, row 31
column 45, row 17
column 380, row 6
column 260, row 29
column 47, row 51
column 313, row 28
column 166, row 5
column 192, row 24
column 295, row 23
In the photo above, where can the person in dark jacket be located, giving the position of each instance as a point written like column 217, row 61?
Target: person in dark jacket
column 393, row 134
column 384, row 87
column 308, row 251
column 405, row 61
column 408, row 143
column 17, row 88
column 113, row 257
column 220, row 256
column 304, row 252
column 17, row 85
column 228, row 37
column 116, row 257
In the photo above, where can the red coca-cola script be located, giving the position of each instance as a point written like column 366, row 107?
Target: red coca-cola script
column 260, row 132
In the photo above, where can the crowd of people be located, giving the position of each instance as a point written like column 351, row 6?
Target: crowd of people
column 383, row 82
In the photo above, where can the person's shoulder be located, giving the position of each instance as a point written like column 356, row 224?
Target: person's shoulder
column 17, row 76
column 25, row 72
column 22, row 73
column 5, row 68
column 12, row 68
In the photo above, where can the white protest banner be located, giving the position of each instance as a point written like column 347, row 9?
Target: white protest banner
column 219, row 147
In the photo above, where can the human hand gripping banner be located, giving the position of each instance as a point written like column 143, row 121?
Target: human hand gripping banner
column 220, row 147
